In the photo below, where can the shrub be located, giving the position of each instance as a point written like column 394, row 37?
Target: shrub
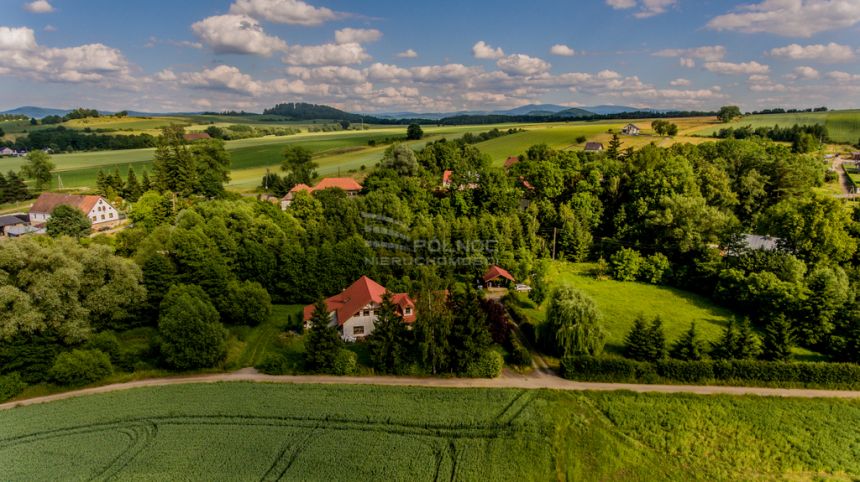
column 10, row 386
column 655, row 268
column 626, row 264
column 246, row 303
column 275, row 364
column 106, row 342
column 520, row 355
column 80, row 367
column 191, row 335
column 489, row 365
column 685, row 371
column 599, row 369
column 344, row 362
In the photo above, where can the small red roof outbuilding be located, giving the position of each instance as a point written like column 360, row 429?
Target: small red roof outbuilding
column 496, row 272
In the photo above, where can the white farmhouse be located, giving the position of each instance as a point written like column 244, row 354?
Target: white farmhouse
column 354, row 310
column 101, row 213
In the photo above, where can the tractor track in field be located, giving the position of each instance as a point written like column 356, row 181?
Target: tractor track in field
column 540, row 380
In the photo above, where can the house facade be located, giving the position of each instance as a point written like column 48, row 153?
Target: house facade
column 593, row 147
column 354, row 310
column 349, row 185
column 631, row 130
column 100, row 212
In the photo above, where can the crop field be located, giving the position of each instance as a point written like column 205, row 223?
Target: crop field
column 247, row 431
column 621, row 302
column 843, row 126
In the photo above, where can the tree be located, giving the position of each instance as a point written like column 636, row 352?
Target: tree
column 737, row 344
column 68, row 221
column 38, row 168
column 644, row 342
column 151, row 210
column 299, row 166
column 213, row 167
column 191, row 334
column 573, row 321
column 727, row 346
column 132, row 189
column 778, row 339
column 401, row 159
column 728, row 113
column 614, row 149
column 246, row 303
column 414, row 132
column 657, row 339
column 79, row 367
column 174, row 168
column 689, row 347
column 145, row 182
column 470, row 336
column 432, row 330
column 626, row 264
column 16, row 189
column 102, row 183
column 388, row 344
column 322, row 342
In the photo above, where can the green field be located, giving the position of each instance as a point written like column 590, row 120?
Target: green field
column 843, row 126
column 621, row 302
column 246, row 431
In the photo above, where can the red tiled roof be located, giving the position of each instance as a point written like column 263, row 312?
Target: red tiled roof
column 496, row 272
column 301, row 187
column 196, row 136
column 48, row 201
column 446, row 177
column 361, row 293
column 345, row 183
column 511, row 161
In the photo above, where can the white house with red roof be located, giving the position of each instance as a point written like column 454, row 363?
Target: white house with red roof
column 354, row 310
column 347, row 184
column 100, row 212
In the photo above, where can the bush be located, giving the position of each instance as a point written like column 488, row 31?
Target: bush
column 10, row 386
column 275, row 364
column 488, row 366
column 191, row 334
column 626, row 264
column 820, row 374
column 344, row 362
column 80, row 367
column 106, row 342
column 655, row 269
column 520, row 355
column 246, row 303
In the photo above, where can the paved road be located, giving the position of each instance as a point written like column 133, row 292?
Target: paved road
column 508, row 380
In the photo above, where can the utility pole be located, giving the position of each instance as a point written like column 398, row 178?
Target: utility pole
column 554, row 233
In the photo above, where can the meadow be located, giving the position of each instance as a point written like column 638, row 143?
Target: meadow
column 843, row 126
column 621, row 302
column 247, row 431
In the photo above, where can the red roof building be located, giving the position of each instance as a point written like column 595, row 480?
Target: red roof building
column 496, row 274
column 509, row 162
column 354, row 309
column 97, row 209
column 348, row 184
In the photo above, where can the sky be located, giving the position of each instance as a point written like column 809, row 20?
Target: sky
column 441, row 56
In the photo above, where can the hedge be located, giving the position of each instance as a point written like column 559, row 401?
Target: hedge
column 11, row 385
column 845, row 375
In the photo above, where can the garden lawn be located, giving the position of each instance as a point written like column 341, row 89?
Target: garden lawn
column 249, row 346
column 621, row 302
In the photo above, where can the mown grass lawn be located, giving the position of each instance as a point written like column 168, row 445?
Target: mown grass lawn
column 621, row 302
column 249, row 346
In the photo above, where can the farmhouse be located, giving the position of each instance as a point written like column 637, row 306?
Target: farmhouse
column 631, row 130
column 7, row 152
column 348, row 184
column 101, row 213
column 12, row 223
column 497, row 276
column 196, row 136
column 354, row 310
column 448, row 181
column 593, row 147
column 509, row 162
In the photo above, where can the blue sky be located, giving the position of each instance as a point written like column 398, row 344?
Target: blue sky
column 385, row 56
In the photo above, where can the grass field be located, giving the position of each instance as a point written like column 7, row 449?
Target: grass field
column 249, row 346
column 245, row 431
column 621, row 302
column 843, row 126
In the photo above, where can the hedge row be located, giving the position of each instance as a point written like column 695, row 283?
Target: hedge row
column 842, row 375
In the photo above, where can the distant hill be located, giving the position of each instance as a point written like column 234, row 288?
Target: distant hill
column 615, row 109
column 37, row 112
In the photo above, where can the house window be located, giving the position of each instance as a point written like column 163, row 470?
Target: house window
column 103, row 217
column 110, row 215
column 408, row 311
column 358, row 330
column 95, row 218
column 366, row 313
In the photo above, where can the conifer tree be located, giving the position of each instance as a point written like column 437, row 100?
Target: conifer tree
column 657, row 340
column 388, row 343
column 637, row 342
column 778, row 339
column 132, row 188
column 145, row 183
column 689, row 347
column 323, row 342
column 749, row 346
column 727, row 346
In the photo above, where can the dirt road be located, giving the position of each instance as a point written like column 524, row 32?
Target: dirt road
column 508, row 380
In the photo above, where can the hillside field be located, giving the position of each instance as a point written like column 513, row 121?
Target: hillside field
column 247, row 431
column 621, row 302
column 842, row 125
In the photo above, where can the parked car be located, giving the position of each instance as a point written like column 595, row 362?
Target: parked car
column 522, row 287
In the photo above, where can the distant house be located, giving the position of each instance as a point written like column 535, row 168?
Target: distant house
column 101, row 213
column 196, row 136
column 593, row 147
column 497, row 276
column 348, row 184
column 509, row 162
column 354, row 310
column 7, row 152
column 13, row 223
column 631, row 130
column 448, row 181
column 758, row 242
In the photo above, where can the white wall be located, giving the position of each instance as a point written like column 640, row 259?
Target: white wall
column 103, row 212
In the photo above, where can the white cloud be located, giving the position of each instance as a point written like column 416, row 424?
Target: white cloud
column 387, row 73
column 687, row 62
column 521, row 64
column 237, row 34
column 790, row 18
column 294, row 12
column 832, row 52
column 804, row 72
column 329, row 74
column 444, row 73
column 709, row 53
column 482, row 50
column 223, row 78
column 23, row 57
column 357, row 35
column 729, row 68
column 647, row 8
column 562, row 50
column 166, row 75
column 408, row 54
column 326, row 54
column 50, row 28
column 680, row 83
column 843, row 77
column 39, row 6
